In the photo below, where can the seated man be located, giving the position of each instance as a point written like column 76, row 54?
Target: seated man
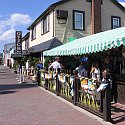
column 81, row 69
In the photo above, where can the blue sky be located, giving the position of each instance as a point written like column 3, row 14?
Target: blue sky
column 18, row 15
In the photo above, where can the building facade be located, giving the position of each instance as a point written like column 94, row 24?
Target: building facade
column 72, row 19
column 8, row 50
column 25, row 44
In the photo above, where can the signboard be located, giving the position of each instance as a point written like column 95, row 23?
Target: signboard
column 18, row 42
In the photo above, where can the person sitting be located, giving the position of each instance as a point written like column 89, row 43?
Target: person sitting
column 81, row 69
column 95, row 71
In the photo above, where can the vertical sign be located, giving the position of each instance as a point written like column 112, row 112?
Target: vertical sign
column 18, row 42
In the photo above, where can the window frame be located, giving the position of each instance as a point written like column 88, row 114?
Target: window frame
column 26, row 43
column 43, row 31
column 33, row 33
column 115, row 17
column 83, row 16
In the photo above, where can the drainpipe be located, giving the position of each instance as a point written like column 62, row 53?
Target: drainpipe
column 53, row 23
column 96, row 16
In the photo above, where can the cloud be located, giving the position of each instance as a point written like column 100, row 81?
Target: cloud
column 19, row 19
column 8, row 35
column 15, row 20
column 9, row 24
column 122, row 3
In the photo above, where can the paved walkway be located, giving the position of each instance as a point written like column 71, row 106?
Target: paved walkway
column 28, row 104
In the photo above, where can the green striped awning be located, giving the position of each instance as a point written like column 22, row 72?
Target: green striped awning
column 90, row 44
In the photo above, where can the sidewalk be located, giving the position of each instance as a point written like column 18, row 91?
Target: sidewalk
column 28, row 104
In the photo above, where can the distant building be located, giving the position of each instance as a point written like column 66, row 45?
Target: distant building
column 7, row 55
column 1, row 55
column 1, row 58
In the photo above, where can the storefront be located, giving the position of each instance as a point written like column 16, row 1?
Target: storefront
column 111, row 43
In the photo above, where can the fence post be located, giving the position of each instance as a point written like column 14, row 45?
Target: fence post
column 23, row 74
column 107, row 104
column 20, row 76
column 57, row 83
column 78, row 88
column 46, row 79
column 20, row 73
column 75, row 86
column 38, row 77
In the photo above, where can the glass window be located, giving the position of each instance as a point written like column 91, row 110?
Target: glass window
column 45, row 25
column 27, row 44
column 78, row 20
column 41, row 26
column 116, row 22
column 33, row 33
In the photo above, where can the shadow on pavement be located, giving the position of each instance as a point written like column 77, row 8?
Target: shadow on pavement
column 16, row 86
column 118, row 114
column 2, row 72
column 7, row 92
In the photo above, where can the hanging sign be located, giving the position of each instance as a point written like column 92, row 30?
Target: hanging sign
column 18, row 40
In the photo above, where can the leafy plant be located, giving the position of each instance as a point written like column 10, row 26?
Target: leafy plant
column 15, row 65
column 47, row 59
column 33, row 61
column 23, row 60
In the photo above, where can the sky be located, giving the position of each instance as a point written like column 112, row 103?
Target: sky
column 17, row 15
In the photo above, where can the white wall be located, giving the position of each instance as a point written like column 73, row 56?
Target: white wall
column 42, row 38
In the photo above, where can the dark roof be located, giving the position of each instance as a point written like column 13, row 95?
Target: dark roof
column 26, row 36
column 45, row 45
column 49, row 9
column 52, row 6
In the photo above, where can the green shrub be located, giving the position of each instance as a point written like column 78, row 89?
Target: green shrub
column 47, row 59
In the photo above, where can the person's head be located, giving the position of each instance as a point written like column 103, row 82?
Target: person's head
column 94, row 64
column 82, row 63
column 104, row 73
column 41, row 62
column 97, row 64
column 107, row 60
column 57, row 59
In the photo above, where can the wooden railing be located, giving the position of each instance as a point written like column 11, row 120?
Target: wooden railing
column 71, row 88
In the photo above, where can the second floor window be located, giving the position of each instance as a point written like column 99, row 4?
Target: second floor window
column 45, row 25
column 115, row 22
column 33, row 34
column 78, row 20
column 26, row 44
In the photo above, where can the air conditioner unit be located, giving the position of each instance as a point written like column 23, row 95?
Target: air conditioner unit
column 61, row 14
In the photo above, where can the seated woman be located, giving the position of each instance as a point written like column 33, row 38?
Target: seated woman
column 95, row 71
